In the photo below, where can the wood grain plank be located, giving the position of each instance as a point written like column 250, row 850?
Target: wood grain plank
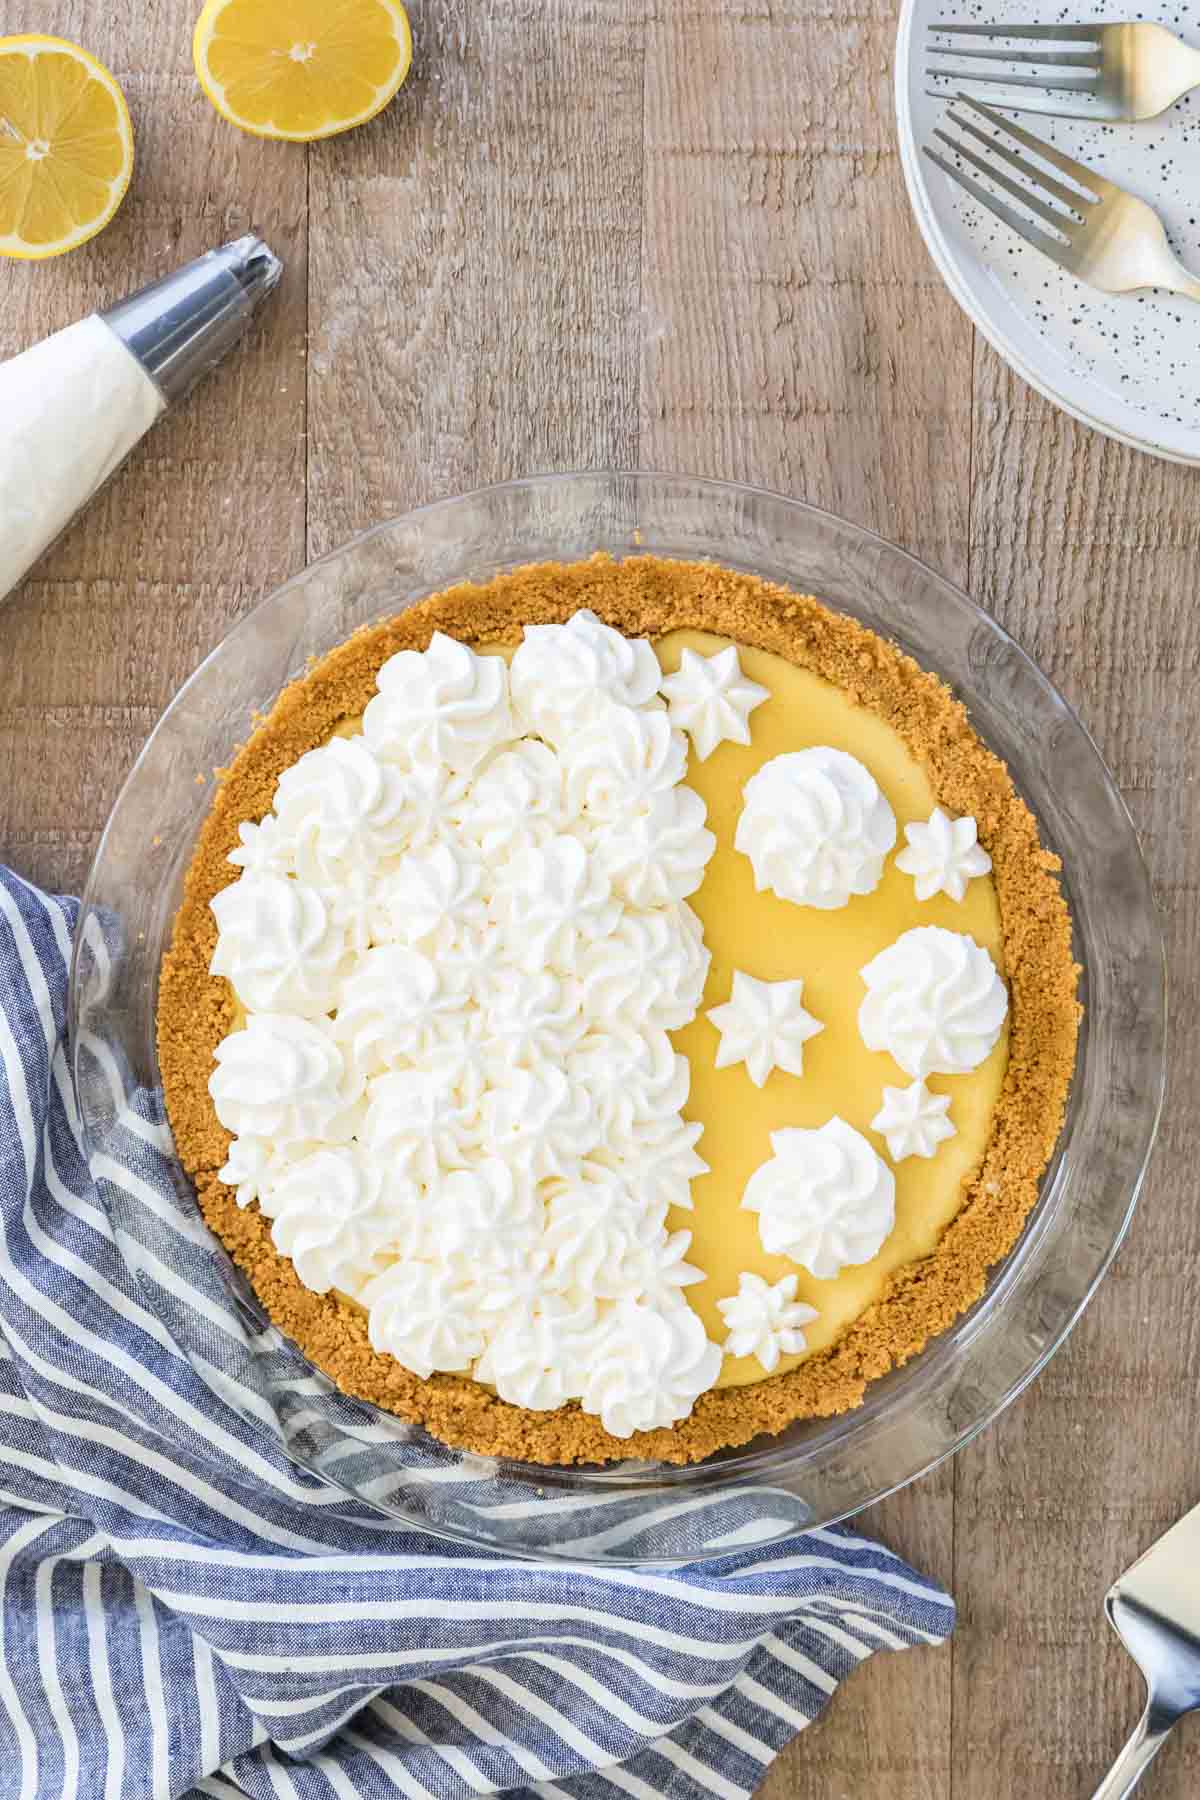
column 1087, row 551
column 788, row 305
column 475, row 264
column 209, row 512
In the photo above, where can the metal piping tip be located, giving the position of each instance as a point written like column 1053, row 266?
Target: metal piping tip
column 180, row 327
column 255, row 265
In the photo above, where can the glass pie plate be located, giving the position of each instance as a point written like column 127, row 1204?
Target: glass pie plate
column 814, row 1472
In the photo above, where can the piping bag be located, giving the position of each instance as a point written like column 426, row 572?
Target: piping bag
column 74, row 406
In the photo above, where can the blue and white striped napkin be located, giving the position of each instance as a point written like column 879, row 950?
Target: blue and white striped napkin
column 186, row 1612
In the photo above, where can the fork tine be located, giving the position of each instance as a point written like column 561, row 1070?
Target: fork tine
column 1062, row 34
column 1032, row 201
column 1066, row 165
column 1048, row 246
column 1072, row 84
column 1038, row 177
column 1050, row 102
column 1054, row 59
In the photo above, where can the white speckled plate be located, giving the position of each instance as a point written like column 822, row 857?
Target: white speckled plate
column 1127, row 364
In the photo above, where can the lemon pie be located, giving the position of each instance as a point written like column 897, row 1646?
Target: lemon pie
column 617, row 1010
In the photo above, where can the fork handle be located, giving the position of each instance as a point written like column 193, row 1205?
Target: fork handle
column 1184, row 284
column 1142, row 1748
column 1170, row 273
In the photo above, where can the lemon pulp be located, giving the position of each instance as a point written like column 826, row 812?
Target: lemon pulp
column 66, row 146
column 301, row 69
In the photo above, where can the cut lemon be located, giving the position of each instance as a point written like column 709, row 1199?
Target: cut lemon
column 301, row 69
column 66, row 146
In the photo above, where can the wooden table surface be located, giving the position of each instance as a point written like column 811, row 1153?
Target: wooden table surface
column 671, row 234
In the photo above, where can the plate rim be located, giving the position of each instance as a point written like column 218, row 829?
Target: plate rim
column 946, row 263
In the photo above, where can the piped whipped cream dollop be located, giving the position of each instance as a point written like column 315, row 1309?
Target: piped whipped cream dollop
column 460, row 939
column 914, row 1121
column 825, row 1198
column 935, row 1002
column 710, row 699
column 281, row 945
column 765, row 1025
column 444, row 705
column 765, row 1319
column 647, row 1365
column 283, row 1078
column 567, row 676
column 816, row 827
column 942, row 855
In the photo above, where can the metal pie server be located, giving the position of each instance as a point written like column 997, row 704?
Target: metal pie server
column 1155, row 1610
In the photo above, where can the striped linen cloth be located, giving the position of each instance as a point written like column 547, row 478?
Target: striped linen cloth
column 187, row 1612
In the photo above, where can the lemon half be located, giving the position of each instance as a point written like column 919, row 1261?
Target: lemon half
column 66, row 146
column 301, row 69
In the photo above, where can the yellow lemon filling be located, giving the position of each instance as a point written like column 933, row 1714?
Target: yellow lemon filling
column 778, row 941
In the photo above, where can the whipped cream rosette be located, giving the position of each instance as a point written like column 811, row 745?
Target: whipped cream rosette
column 563, row 676
column 935, row 1002
column 825, row 1198
column 460, row 939
column 441, row 707
column 816, row 827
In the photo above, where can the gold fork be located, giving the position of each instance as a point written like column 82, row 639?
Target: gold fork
column 1098, row 232
column 1110, row 72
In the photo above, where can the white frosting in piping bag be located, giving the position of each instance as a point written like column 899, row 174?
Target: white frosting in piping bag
column 71, row 410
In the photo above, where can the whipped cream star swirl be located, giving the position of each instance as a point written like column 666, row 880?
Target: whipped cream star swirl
column 431, row 897
column 252, row 1168
column 660, row 854
column 284, row 1078
column 392, row 1009
column 647, row 1366
column 619, row 765
column 665, row 1156
column 427, row 1315
column 763, row 1024
column 650, row 970
column 529, row 1017
column 935, row 1002
column 710, row 699
column 340, row 806
column 516, row 801
column 913, row 1120
column 333, row 1213
column 766, row 1320
column 279, row 947
column 816, row 827
column 551, row 901
column 537, row 1359
column 596, row 1231
column 460, row 938
column 488, row 1208
column 563, row 675
column 943, row 855
column 440, row 705
column 825, row 1198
